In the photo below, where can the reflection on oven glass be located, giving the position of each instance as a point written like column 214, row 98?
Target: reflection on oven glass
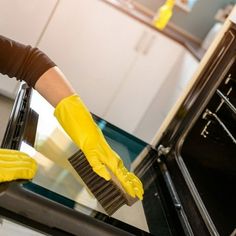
column 52, row 150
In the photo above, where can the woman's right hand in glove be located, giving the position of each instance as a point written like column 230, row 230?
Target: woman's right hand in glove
column 77, row 121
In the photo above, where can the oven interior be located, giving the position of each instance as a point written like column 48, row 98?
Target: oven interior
column 209, row 153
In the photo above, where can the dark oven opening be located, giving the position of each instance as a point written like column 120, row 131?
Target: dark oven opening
column 209, row 153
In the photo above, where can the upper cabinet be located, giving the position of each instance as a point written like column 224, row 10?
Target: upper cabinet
column 23, row 21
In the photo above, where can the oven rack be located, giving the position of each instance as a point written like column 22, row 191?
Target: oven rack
column 212, row 115
column 226, row 101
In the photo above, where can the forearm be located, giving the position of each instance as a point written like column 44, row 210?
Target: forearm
column 54, row 86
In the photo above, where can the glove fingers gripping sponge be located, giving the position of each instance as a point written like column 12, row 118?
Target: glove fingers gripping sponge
column 110, row 194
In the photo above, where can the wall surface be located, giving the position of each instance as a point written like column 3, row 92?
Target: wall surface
column 198, row 22
column 201, row 18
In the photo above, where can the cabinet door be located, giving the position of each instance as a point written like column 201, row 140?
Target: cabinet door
column 170, row 91
column 94, row 44
column 157, row 57
column 23, row 21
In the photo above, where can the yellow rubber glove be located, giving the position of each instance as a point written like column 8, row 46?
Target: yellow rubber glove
column 77, row 121
column 164, row 14
column 16, row 165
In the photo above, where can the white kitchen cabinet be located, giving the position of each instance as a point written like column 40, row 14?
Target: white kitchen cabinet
column 156, row 59
column 23, row 21
column 116, row 64
column 170, row 91
column 94, row 44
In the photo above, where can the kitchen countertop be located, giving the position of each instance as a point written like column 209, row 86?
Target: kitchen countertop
column 145, row 16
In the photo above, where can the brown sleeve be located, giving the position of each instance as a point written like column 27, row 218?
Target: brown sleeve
column 23, row 62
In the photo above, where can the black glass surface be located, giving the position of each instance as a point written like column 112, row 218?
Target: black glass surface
column 209, row 153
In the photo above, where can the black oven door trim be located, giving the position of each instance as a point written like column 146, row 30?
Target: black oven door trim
column 23, row 121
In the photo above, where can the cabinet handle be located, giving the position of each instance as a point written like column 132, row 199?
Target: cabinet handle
column 149, row 45
column 139, row 46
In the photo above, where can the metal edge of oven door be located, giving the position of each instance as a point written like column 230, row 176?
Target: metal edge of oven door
column 11, row 126
column 55, row 216
column 26, row 204
column 181, row 119
column 23, row 121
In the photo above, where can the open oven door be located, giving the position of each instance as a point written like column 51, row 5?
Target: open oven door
column 45, row 207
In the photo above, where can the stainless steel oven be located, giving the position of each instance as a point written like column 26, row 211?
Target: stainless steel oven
column 188, row 172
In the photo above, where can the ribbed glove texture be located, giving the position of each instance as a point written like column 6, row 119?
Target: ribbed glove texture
column 77, row 121
column 16, row 165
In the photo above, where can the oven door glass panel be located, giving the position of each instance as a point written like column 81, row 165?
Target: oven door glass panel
column 53, row 148
column 57, row 180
